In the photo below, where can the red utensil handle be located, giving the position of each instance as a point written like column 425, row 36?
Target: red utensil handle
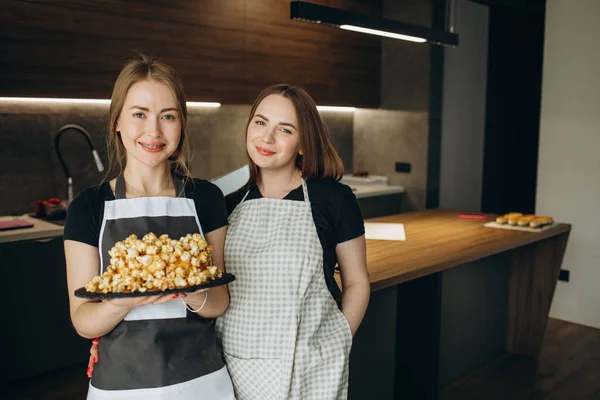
column 471, row 216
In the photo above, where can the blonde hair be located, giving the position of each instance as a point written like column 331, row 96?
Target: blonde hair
column 319, row 158
column 143, row 68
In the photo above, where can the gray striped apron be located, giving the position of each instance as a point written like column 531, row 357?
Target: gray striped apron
column 158, row 351
column 283, row 335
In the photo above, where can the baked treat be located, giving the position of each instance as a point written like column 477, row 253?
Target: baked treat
column 539, row 222
column 525, row 220
column 528, row 220
column 503, row 219
column 156, row 264
column 513, row 219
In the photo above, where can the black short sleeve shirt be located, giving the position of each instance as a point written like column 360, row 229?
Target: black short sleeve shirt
column 86, row 211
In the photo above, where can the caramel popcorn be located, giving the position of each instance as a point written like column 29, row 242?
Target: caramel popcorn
column 156, row 264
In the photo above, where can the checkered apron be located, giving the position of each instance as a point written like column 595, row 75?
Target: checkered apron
column 283, row 335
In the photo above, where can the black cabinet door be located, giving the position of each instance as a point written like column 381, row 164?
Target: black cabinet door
column 36, row 334
column 380, row 206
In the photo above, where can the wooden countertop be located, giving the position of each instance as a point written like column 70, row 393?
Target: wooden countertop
column 437, row 240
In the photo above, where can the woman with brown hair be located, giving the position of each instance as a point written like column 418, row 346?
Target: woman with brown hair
column 284, row 336
column 154, row 347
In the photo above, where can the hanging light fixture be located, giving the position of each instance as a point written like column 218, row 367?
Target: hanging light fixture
column 315, row 13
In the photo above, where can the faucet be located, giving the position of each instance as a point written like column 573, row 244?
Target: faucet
column 92, row 147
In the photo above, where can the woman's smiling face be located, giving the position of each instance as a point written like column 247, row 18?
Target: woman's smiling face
column 272, row 138
column 149, row 123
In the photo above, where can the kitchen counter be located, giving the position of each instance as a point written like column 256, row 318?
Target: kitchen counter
column 438, row 240
column 41, row 230
column 450, row 297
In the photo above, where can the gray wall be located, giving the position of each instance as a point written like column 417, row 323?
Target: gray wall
column 29, row 168
column 568, row 185
column 463, row 115
column 382, row 137
column 405, row 66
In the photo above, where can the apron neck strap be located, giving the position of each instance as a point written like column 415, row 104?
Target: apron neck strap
column 179, row 187
column 120, row 187
column 246, row 195
column 305, row 190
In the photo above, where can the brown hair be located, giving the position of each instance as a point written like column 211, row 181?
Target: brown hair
column 142, row 68
column 319, row 158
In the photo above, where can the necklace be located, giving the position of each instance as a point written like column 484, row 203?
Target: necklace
column 144, row 194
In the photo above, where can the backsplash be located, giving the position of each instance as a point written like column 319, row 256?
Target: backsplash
column 30, row 170
column 384, row 137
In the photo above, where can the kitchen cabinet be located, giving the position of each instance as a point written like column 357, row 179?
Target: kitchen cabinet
column 37, row 334
column 381, row 205
column 379, row 200
column 450, row 297
column 225, row 50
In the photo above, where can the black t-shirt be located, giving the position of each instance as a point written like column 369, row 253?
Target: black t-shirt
column 86, row 211
column 335, row 212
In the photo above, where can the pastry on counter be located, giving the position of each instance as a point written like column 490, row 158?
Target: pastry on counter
column 525, row 220
column 503, row 219
column 539, row 222
column 513, row 219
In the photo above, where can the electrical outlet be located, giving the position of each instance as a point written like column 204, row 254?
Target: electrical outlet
column 402, row 167
column 563, row 275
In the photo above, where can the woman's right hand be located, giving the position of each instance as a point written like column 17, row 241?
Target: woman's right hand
column 93, row 358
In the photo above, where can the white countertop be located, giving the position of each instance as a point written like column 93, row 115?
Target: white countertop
column 362, row 191
column 40, row 230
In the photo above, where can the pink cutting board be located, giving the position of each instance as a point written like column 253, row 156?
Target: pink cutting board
column 15, row 224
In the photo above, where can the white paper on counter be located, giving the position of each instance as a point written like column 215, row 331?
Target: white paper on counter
column 384, row 231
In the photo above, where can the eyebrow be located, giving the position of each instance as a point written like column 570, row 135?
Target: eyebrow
column 281, row 123
column 146, row 109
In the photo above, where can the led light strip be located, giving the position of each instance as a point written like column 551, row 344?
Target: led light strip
column 382, row 33
column 336, row 108
column 90, row 101
column 204, row 104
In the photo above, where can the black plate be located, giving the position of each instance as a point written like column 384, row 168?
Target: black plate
column 225, row 279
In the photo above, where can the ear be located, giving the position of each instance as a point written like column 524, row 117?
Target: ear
column 300, row 152
column 117, row 129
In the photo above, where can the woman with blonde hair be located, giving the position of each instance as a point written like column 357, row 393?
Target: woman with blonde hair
column 161, row 346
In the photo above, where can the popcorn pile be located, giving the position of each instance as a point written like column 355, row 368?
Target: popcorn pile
column 156, row 264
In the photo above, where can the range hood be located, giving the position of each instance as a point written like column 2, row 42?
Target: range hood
column 315, row 13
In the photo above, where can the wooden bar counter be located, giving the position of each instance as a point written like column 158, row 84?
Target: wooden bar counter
column 410, row 292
